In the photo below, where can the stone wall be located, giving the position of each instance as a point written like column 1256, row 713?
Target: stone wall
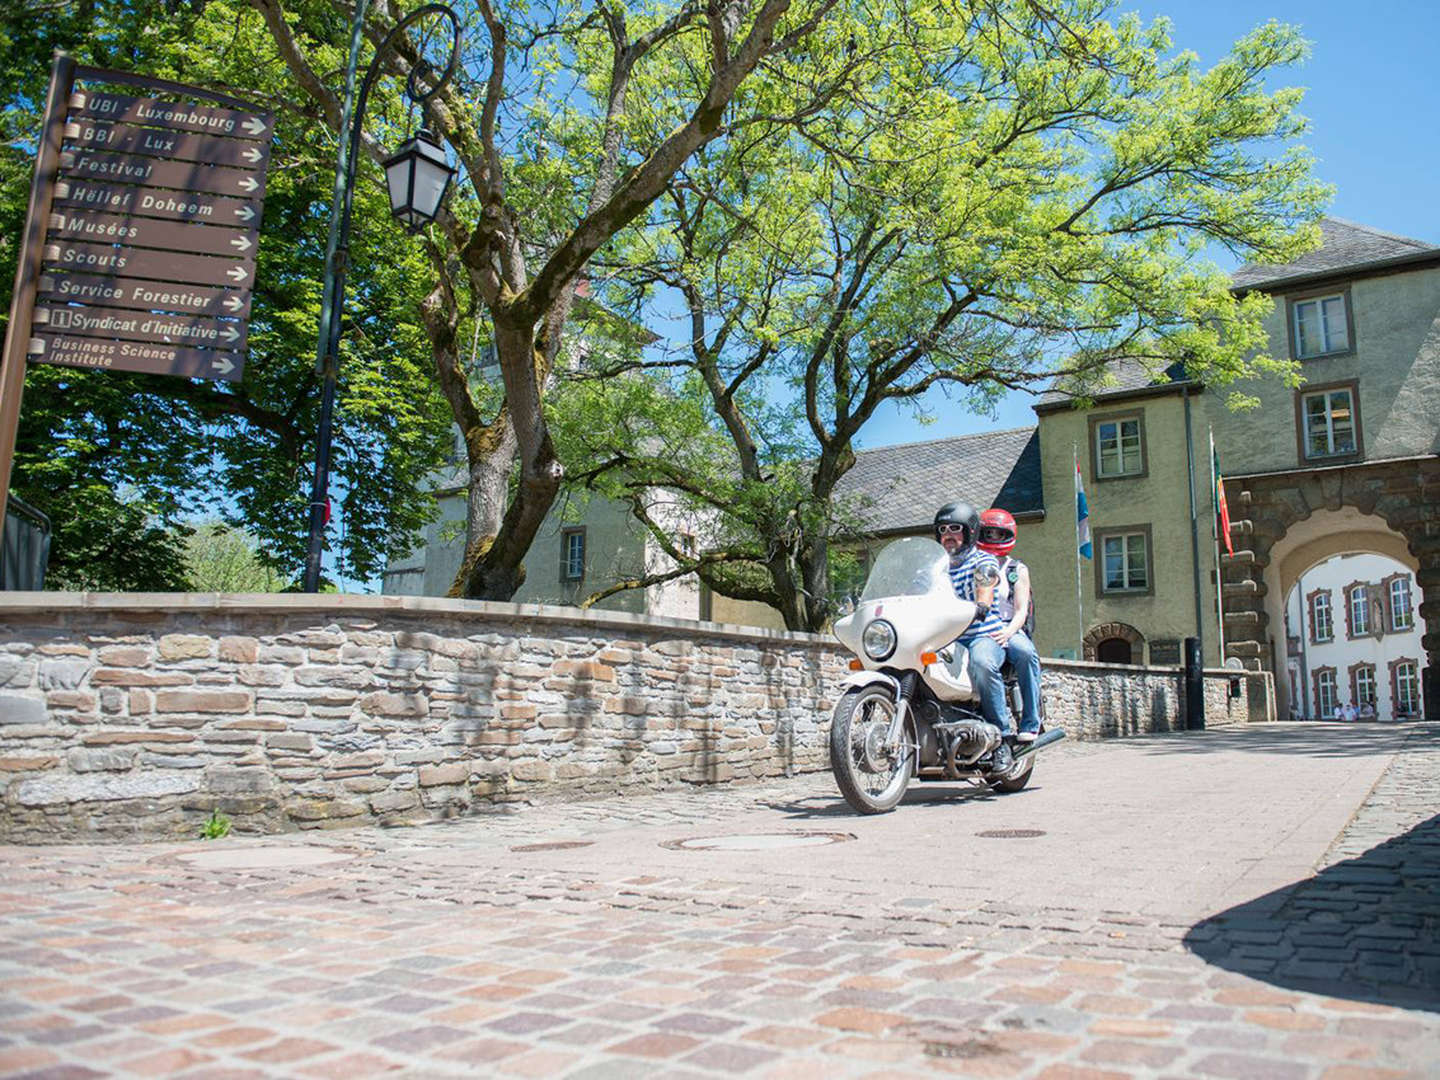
column 128, row 716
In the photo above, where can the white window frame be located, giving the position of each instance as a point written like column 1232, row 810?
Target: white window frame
column 1322, row 616
column 1402, row 614
column 1327, row 694
column 1359, row 611
column 1407, row 688
column 1367, row 686
column 1331, row 439
column 1331, row 325
column 1129, row 449
column 1126, row 545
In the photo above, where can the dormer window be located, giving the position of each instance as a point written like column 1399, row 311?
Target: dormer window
column 1320, row 325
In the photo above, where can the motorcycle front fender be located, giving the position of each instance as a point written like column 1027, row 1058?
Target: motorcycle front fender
column 857, row 679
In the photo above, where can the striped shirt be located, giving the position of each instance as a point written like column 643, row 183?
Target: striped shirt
column 962, row 577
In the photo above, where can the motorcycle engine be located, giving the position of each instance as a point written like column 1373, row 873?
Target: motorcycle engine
column 970, row 740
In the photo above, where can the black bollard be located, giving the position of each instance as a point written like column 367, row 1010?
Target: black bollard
column 1194, row 686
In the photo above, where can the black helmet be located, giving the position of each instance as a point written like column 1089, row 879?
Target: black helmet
column 962, row 514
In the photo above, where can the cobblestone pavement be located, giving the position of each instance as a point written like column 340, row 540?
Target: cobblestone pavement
column 580, row 940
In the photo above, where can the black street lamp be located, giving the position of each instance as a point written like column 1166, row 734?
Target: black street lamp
column 417, row 177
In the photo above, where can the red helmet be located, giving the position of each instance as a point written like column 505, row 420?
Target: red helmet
column 997, row 532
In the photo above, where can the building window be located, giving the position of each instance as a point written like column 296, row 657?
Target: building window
column 1320, row 325
column 1321, row 625
column 572, row 554
column 1362, row 684
column 1398, row 595
column 1124, row 564
column 1330, row 422
column 685, row 542
column 1358, row 610
column 1118, row 443
column 1405, row 684
column 1325, row 693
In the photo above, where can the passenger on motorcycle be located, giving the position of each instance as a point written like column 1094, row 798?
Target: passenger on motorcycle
column 974, row 574
column 1013, row 602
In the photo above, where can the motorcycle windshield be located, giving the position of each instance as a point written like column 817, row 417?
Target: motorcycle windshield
column 915, row 566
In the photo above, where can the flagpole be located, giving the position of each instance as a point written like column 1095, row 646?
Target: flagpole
column 1079, row 600
column 1215, row 482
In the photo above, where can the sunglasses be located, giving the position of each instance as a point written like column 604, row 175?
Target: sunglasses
column 951, row 528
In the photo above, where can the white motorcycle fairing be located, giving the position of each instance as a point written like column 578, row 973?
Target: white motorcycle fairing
column 909, row 589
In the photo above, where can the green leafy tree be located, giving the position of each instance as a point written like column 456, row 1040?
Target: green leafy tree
column 220, row 558
column 559, row 156
column 119, row 461
column 1017, row 193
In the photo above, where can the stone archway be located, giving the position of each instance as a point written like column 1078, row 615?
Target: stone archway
column 1113, row 631
column 1283, row 523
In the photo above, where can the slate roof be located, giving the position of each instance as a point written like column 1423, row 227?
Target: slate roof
column 1345, row 245
column 1127, row 376
column 901, row 487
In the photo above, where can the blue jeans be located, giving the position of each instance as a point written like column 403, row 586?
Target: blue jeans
column 986, row 659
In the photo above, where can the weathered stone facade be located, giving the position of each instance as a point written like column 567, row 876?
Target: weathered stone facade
column 1403, row 494
column 133, row 716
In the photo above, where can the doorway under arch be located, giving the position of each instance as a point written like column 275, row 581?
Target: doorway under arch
column 1115, row 643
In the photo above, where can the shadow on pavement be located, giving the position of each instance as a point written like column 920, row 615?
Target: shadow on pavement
column 1366, row 929
column 1316, row 737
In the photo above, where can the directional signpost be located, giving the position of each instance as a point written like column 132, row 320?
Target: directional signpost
column 140, row 242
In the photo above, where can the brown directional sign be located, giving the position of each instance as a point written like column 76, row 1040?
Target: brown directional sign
column 90, row 352
column 94, row 105
column 143, row 326
column 185, row 175
column 151, row 232
column 157, row 202
column 158, row 142
column 143, row 295
column 148, row 263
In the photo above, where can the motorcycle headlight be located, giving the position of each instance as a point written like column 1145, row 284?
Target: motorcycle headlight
column 878, row 641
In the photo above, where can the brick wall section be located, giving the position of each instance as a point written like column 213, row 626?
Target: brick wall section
column 134, row 716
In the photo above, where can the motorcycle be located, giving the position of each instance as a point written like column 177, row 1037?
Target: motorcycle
column 908, row 708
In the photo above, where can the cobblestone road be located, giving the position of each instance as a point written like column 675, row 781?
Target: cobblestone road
column 581, row 940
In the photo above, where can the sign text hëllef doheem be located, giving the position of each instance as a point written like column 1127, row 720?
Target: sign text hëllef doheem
column 149, row 254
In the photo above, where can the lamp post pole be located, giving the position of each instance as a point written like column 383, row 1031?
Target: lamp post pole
column 337, row 249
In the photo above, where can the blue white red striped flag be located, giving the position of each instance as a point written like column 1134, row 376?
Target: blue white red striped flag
column 1082, row 517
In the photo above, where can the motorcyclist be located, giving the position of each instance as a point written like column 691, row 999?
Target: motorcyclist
column 974, row 574
column 1014, row 602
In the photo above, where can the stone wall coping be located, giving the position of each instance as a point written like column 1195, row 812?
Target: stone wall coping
column 337, row 604
column 334, row 605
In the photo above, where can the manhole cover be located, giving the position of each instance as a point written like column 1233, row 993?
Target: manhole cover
column 554, row 845
column 262, row 858
column 1011, row 834
column 758, row 841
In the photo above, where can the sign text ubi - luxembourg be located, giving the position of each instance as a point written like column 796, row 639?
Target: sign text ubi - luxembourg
column 95, row 105
column 140, row 295
column 90, row 352
column 110, row 198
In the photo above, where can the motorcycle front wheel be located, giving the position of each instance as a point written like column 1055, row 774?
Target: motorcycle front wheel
column 872, row 780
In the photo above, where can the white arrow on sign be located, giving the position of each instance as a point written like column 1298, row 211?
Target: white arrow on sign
column 247, row 184
column 253, row 126
column 252, row 155
column 231, row 334
column 223, row 365
column 234, row 303
column 242, row 242
column 245, row 213
column 237, row 273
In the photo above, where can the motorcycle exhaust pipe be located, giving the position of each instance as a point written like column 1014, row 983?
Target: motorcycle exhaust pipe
column 1052, row 736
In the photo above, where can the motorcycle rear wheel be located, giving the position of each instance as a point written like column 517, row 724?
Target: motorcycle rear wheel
column 1016, row 781
column 872, row 781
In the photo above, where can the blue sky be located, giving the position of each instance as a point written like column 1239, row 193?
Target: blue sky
column 1373, row 99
